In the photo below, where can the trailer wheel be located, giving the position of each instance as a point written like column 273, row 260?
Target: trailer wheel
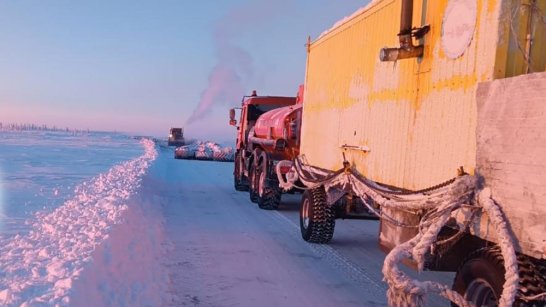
column 317, row 220
column 269, row 198
column 481, row 277
column 238, row 177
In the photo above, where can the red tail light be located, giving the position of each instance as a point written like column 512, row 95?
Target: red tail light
column 285, row 169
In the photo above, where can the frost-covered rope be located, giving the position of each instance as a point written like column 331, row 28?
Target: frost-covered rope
column 511, row 275
column 291, row 177
column 540, row 296
column 437, row 203
column 404, row 291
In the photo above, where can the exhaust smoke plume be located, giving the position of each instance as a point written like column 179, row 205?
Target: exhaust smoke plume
column 226, row 81
column 229, row 79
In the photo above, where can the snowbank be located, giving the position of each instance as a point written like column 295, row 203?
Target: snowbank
column 125, row 270
column 46, row 266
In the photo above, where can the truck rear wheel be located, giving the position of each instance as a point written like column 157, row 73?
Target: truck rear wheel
column 481, row 277
column 238, row 177
column 317, row 220
column 252, row 183
column 269, row 198
column 252, row 180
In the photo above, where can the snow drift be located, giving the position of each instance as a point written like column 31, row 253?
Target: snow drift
column 43, row 267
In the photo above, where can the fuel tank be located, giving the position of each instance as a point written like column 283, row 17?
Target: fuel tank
column 279, row 129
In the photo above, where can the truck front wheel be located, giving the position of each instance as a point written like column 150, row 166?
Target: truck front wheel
column 238, row 177
column 317, row 219
column 481, row 277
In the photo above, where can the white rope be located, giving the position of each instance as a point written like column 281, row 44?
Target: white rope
column 404, row 291
column 290, row 180
column 536, row 297
column 511, row 275
column 438, row 205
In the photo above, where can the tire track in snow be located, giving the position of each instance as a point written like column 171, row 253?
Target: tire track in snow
column 40, row 267
column 341, row 263
column 228, row 252
column 354, row 271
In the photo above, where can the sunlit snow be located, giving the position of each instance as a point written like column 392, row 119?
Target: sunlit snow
column 66, row 194
column 2, row 215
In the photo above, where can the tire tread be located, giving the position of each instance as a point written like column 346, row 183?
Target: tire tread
column 322, row 220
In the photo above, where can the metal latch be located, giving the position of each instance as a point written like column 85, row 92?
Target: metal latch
column 356, row 147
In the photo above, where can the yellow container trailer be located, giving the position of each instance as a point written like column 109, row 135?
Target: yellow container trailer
column 431, row 114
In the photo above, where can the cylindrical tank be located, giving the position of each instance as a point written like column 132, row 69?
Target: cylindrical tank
column 279, row 124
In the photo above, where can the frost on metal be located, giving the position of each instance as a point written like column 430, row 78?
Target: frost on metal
column 511, row 156
column 347, row 18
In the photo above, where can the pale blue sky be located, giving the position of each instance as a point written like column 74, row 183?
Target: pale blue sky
column 143, row 66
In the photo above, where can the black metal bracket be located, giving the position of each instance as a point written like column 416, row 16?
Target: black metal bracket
column 416, row 32
column 420, row 32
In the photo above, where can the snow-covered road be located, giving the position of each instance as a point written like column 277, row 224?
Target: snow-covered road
column 225, row 251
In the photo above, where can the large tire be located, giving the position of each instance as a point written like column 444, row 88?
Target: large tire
column 253, row 194
column 317, row 219
column 481, row 277
column 252, row 180
column 238, row 175
column 269, row 198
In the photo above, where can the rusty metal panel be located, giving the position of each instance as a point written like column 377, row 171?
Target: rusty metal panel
column 417, row 116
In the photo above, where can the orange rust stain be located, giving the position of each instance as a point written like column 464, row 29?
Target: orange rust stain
column 441, row 7
column 457, row 82
column 490, row 6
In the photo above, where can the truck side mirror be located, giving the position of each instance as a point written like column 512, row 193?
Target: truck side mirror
column 232, row 120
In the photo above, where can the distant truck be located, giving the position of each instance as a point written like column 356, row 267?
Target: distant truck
column 267, row 132
column 442, row 135
column 176, row 137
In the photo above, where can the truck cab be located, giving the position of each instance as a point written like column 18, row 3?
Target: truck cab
column 176, row 137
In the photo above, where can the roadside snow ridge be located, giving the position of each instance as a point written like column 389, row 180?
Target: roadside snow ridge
column 39, row 268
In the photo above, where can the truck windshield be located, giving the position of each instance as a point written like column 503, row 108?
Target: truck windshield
column 176, row 132
column 254, row 111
